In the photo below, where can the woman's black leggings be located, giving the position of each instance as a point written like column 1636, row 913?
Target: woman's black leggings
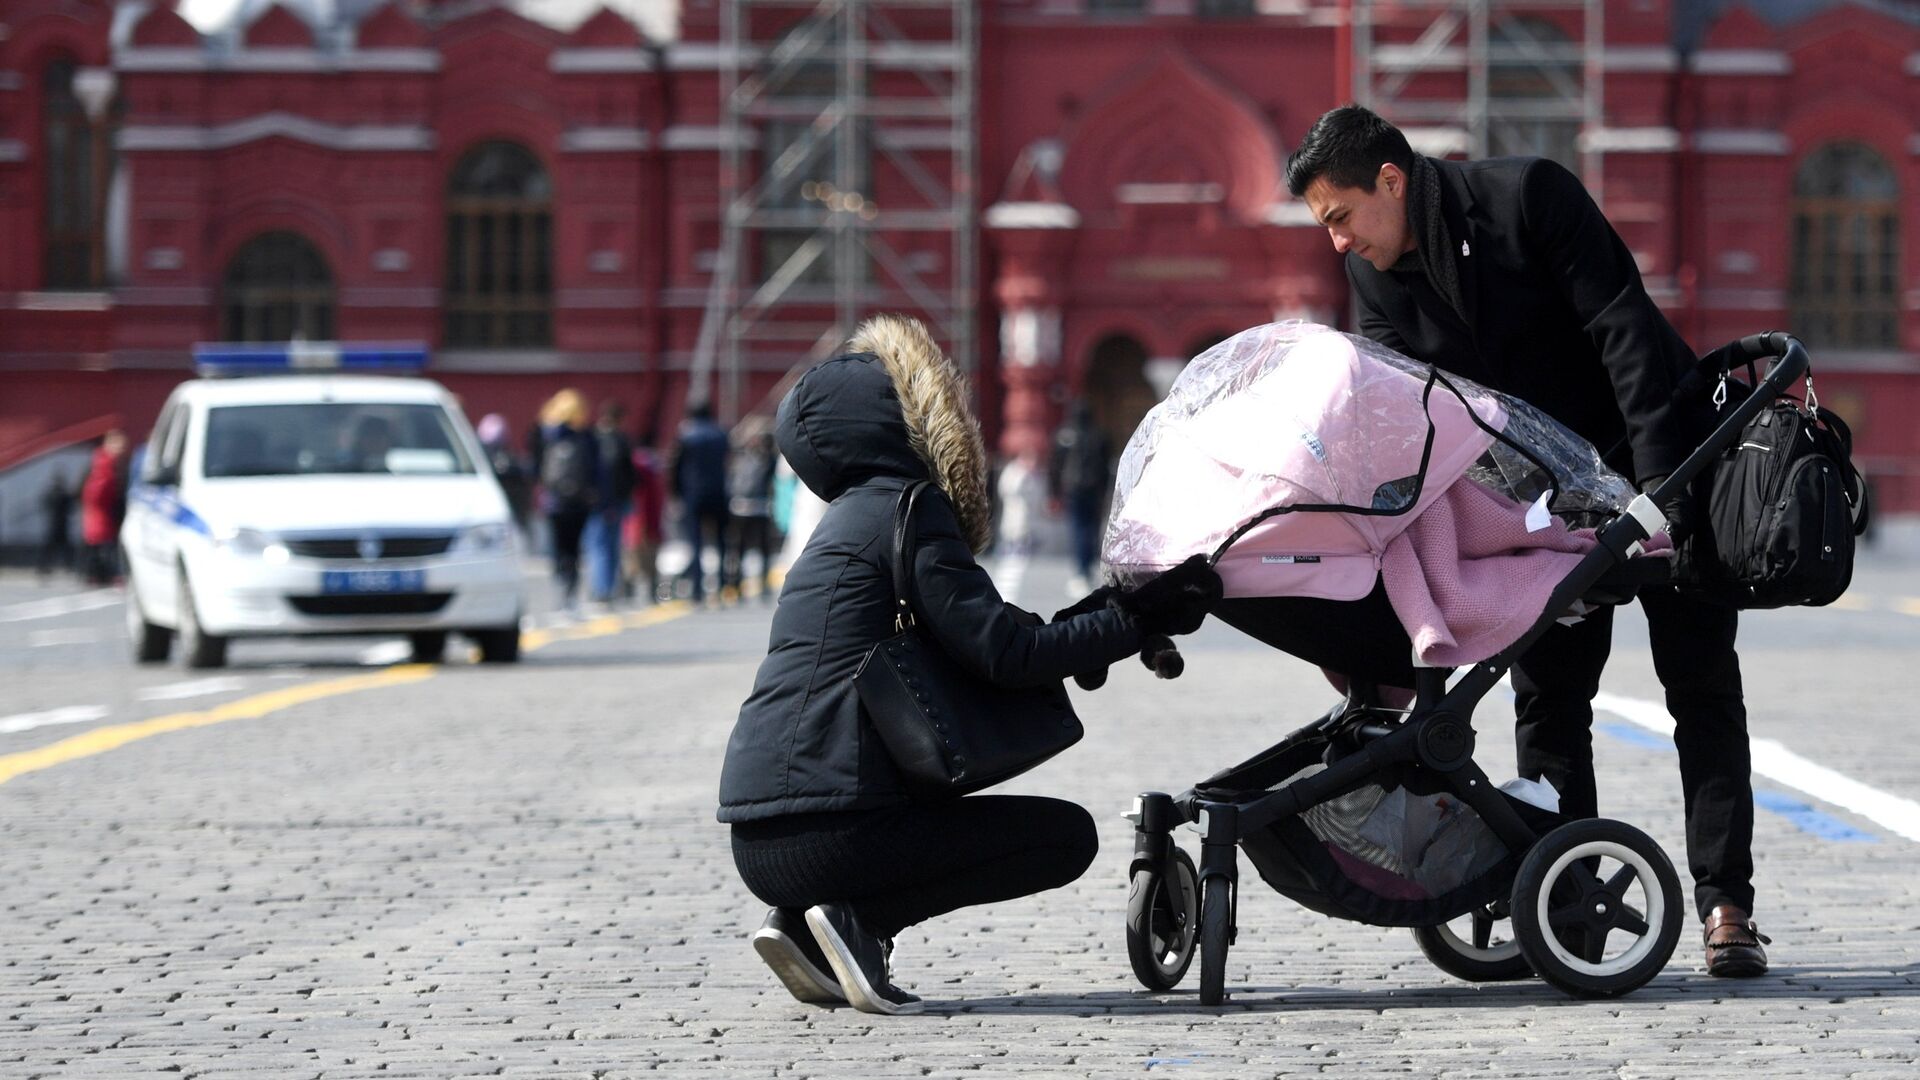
column 900, row 865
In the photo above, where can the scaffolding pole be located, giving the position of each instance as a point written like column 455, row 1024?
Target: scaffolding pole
column 848, row 132
column 1485, row 77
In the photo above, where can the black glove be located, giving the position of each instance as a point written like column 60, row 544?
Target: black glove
column 1678, row 510
column 1097, row 600
column 1177, row 601
column 1161, row 657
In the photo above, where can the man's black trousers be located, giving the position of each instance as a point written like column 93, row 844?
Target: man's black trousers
column 1693, row 653
column 900, row 865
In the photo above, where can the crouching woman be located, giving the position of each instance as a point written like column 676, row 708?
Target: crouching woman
column 824, row 828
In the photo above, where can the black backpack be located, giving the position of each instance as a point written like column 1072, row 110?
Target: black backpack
column 1783, row 505
column 563, row 471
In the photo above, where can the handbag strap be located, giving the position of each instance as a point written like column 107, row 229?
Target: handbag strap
column 904, row 540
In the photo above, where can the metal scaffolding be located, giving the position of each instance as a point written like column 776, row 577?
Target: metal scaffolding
column 847, row 183
column 1486, row 77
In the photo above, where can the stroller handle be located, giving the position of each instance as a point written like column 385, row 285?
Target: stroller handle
column 1790, row 363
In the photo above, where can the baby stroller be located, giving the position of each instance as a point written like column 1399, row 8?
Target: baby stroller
column 1376, row 812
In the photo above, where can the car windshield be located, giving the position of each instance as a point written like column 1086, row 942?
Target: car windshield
column 332, row 437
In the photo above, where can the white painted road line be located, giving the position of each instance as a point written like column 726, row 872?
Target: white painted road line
column 192, row 688
column 66, row 635
column 1774, row 761
column 70, row 714
column 59, row 605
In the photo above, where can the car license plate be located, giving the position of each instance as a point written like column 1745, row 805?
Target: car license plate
column 373, row 581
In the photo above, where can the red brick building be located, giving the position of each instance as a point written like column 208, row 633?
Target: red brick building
column 540, row 204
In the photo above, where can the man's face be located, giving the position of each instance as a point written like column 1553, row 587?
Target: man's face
column 1372, row 225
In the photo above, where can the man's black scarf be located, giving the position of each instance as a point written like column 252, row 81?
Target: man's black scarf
column 1434, row 254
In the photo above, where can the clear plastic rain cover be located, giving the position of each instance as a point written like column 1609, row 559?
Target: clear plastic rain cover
column 1335, row 442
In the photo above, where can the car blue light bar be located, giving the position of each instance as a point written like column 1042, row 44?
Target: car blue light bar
column 215, row 359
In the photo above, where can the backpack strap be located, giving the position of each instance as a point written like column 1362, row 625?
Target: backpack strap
column 1836, row 431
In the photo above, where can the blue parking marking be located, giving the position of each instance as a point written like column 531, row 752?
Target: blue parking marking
column 1807, row 819
column 1800, row 814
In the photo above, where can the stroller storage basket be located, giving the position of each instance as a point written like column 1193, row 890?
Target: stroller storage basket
column 1395, row 851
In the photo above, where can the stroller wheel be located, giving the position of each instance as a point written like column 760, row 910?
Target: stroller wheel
column 1476, row 947
column 1163, row 922
column 1597, row 908
column 1216, row 931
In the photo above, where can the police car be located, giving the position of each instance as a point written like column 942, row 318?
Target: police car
column 307, row 503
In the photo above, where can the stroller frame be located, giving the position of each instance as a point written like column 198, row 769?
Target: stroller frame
column 1562, row 912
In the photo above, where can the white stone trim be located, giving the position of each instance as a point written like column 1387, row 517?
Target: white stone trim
column 275, row 60
column 1738, row 141
column 600, row 61
column 1646, row 59
column 12, row 150
column 711, row 56
column 9, row 80
column 60, row 300
column 1741, row 62
column 605, row 140
column 921, row 138
column 703, row 56
column 701, row 137
column 1913, row 63
column 1438, row 141
column 267, row 125
column 1031, row 215
column 1291, row 213
column 1641, row 140
column 1913, row 144
column 600, row 299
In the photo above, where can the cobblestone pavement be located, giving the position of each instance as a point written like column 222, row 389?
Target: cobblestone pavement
column 515, row 872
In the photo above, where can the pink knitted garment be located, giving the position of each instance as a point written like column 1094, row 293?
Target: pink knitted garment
column 1467, row 579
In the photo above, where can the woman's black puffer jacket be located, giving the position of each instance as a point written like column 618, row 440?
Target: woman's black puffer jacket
column 802, row 743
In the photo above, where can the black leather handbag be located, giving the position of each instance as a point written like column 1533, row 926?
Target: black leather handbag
column 949, row 731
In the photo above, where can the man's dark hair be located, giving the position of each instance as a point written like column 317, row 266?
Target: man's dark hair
column 701, row 411
column 1347, row 146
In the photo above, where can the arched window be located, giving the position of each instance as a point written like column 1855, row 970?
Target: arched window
column 79, row 163
column 277, row 288
column 1846, row 249
column 1117, row 386
column 499, row 274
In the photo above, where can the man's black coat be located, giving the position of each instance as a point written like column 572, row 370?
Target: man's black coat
column 1556, row 312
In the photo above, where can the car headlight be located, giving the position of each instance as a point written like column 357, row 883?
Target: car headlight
column 490, row 539
column 251, row 544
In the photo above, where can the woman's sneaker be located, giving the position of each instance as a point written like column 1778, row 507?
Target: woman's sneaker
column 788, row 947
column 860, row 960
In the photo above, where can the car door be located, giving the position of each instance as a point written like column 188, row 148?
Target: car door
column 151, row 533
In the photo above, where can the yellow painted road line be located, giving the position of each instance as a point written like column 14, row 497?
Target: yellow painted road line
column 603, row 626
column 101, row 740
column 1907, row 605
column 1850, row 602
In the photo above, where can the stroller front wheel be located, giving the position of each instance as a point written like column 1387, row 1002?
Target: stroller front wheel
column 1482, row 954
column 1216, row 932
column 1163, row 922
column 1597, row 908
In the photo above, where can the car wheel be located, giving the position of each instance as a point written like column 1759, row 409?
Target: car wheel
column 151, row 643
column 197, row 647
column 429, row 646
column 500, row 646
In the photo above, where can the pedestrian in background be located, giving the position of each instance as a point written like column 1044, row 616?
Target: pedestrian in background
column 646, row 525
column 102, row 505
column 1082, row 477
column 1022, row 491
column 700, row 483
column 568, row 471
column 515, row 483
column 613, row 497
column 56, row 543
column 750, row 511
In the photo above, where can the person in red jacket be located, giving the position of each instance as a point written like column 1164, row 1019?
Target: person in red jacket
column 102, row 503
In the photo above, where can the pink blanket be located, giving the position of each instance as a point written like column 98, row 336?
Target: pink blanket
column 1466, row 578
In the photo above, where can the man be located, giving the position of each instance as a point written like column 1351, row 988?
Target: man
column 700, row 457
column 615, row 482
column 1506, row 272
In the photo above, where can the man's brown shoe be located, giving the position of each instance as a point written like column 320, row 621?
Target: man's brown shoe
column 1733, row 944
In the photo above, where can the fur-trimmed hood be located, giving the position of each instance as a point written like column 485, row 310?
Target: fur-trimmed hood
column 893, row 405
